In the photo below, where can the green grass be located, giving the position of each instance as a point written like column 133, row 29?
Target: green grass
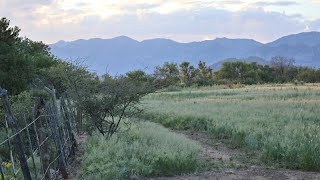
column 146, row 149
column 282, row 122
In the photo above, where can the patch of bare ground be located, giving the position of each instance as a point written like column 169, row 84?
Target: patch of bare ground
column 233, row 164
column 74, row 167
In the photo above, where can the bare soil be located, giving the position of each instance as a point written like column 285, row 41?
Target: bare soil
column 233, row 164
column 74, row 167
column 223, row 163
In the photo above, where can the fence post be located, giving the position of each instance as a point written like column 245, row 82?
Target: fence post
column 43, row 149
column 12, row 121
column 66, row 112
column 61, row 159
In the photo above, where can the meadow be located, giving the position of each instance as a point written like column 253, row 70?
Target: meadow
column 143, row 149
column 280, row 123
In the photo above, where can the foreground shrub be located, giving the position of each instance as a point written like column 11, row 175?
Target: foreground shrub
column 146, row 149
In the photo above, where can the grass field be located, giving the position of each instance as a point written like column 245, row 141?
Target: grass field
column 280, row 122
column 143, row 150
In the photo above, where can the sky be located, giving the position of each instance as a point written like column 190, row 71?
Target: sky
column 181, row 20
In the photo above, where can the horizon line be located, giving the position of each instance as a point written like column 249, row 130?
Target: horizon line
column 159, row 38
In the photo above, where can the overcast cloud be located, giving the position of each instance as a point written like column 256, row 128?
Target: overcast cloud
column 184, row 21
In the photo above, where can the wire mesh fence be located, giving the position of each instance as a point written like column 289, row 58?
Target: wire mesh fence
column 37, row 144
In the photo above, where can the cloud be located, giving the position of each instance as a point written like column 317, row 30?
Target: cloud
column 187, row 20
column 187, row 25
column 277, row 3
column 314, row 25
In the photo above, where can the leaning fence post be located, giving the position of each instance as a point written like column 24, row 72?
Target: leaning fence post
column 62, row 163
column 12, row 121
column 69, row 127
column 43, row 149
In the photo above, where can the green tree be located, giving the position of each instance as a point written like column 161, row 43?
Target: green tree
column 116, row 99
column 187, row 73
column 75, row 80
column 138, row 75
column 239, row 72
column 309, row 75
column 205, row 74
column 283, row 69
column 166, row 75
column 21, row 59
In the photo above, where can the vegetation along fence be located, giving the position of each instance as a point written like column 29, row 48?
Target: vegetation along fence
column 39, row 143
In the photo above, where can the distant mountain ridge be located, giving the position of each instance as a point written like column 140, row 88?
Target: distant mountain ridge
column 121, row 54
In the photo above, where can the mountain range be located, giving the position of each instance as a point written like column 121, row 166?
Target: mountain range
column 122, row 54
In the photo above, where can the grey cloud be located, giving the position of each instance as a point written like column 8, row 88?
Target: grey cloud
column 231, row 2
column 19, row 10
column 252, row 23
column 187, row 25
column 142, row 6
column 24, row 4
column 277, row 3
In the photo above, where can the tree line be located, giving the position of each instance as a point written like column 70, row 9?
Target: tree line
column 280, row 70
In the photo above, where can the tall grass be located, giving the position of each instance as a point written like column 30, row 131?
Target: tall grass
column 146, row 149
column 281, row 122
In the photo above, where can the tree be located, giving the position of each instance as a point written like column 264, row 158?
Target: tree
column 309, row 75
column 240, row 72
column 187, row 73
column 284, row 68
column 138, row 75
column 116, row 99
column 21, row 59
column 166, row 75
column 205, row 74
column 75, row 80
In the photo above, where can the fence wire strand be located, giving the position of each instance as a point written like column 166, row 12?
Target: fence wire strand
column 47, row 141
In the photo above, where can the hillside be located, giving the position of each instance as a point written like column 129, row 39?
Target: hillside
column 121, row 54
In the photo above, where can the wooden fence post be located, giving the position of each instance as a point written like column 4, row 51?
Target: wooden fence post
column 66, row 113
column 12, row 121
column 57, row 134
column 43, row 149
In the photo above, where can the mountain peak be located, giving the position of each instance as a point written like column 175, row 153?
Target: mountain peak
column 61, row 43
column 311, row 38
column 123, row 38
column 159, row 40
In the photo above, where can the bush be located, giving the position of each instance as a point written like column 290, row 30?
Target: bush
column 146, row 149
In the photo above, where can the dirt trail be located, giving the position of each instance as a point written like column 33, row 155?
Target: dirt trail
column 74, row 167
column 235, row 165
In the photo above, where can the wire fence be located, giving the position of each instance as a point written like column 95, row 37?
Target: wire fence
column 39, row 143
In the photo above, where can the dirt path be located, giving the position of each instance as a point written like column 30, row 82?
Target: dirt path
column 74, row 167
column 230, row 164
